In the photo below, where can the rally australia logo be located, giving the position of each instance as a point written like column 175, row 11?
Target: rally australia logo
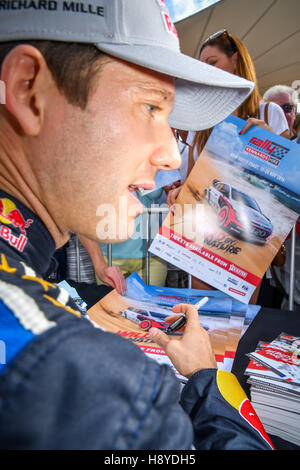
column 267, row 150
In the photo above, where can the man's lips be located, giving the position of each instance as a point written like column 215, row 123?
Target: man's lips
column 133, row 189
column 141, row 187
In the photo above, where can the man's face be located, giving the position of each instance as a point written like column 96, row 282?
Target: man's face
column 101, row 154
column 282, row 99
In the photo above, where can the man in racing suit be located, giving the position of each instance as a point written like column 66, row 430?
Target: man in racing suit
column 64, row 383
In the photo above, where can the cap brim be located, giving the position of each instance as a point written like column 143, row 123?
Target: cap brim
column 204, row 95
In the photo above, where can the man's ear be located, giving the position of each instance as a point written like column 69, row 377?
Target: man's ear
column 26, row 77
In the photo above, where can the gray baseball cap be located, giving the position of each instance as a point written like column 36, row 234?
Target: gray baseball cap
column 140, row 32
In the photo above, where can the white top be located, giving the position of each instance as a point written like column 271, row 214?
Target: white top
column 276, row 117
column 276, row 121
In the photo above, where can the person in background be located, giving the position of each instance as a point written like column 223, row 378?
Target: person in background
column 287, row 98
column 176, row 277
column 85, row 264
column 281, row 275
column 80, row 263
column 225, row 51
column 297, row 128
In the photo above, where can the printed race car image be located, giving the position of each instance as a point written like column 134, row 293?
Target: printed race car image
column 238, row 212
column 143, row 318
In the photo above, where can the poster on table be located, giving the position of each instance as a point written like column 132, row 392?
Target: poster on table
column 143, row 306
column 132, row 320
column 238, row 205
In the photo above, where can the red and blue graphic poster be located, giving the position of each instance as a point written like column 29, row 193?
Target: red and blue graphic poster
column 236, row 208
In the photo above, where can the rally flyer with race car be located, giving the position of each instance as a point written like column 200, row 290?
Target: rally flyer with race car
column 144, row 306
column 234, row 211
column 132, row 320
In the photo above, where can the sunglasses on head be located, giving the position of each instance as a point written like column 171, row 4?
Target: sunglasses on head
column 287, row 107
column 178, row 137
column 217, row 35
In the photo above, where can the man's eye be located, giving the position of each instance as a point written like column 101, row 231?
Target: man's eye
column 151, row 108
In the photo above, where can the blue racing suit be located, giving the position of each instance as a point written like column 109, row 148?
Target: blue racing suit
column 66, row 384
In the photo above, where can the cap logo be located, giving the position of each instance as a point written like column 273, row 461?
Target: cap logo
column 52, row 5
column 166, row 18
column 169, row 24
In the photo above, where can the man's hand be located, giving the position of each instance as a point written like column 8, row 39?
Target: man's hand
column 190, row 352
column 113, row 276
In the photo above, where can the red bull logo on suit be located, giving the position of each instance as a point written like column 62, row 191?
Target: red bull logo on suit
column 11, row 216
column 232, row 392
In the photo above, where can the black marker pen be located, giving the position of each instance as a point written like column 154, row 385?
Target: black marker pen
column 177, row 324
column 181, row 321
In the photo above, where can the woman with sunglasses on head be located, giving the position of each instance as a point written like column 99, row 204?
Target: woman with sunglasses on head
column 228, row 53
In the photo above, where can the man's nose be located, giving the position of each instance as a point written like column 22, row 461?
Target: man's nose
column 166, row 156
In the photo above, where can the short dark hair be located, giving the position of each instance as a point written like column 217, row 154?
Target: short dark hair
column 73, row 65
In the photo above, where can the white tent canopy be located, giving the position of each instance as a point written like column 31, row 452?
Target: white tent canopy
column 270, row 30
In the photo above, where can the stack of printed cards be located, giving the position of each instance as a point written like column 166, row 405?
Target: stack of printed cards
column 274, row 375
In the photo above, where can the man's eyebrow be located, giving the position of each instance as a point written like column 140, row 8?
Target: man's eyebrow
column 162, row 93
